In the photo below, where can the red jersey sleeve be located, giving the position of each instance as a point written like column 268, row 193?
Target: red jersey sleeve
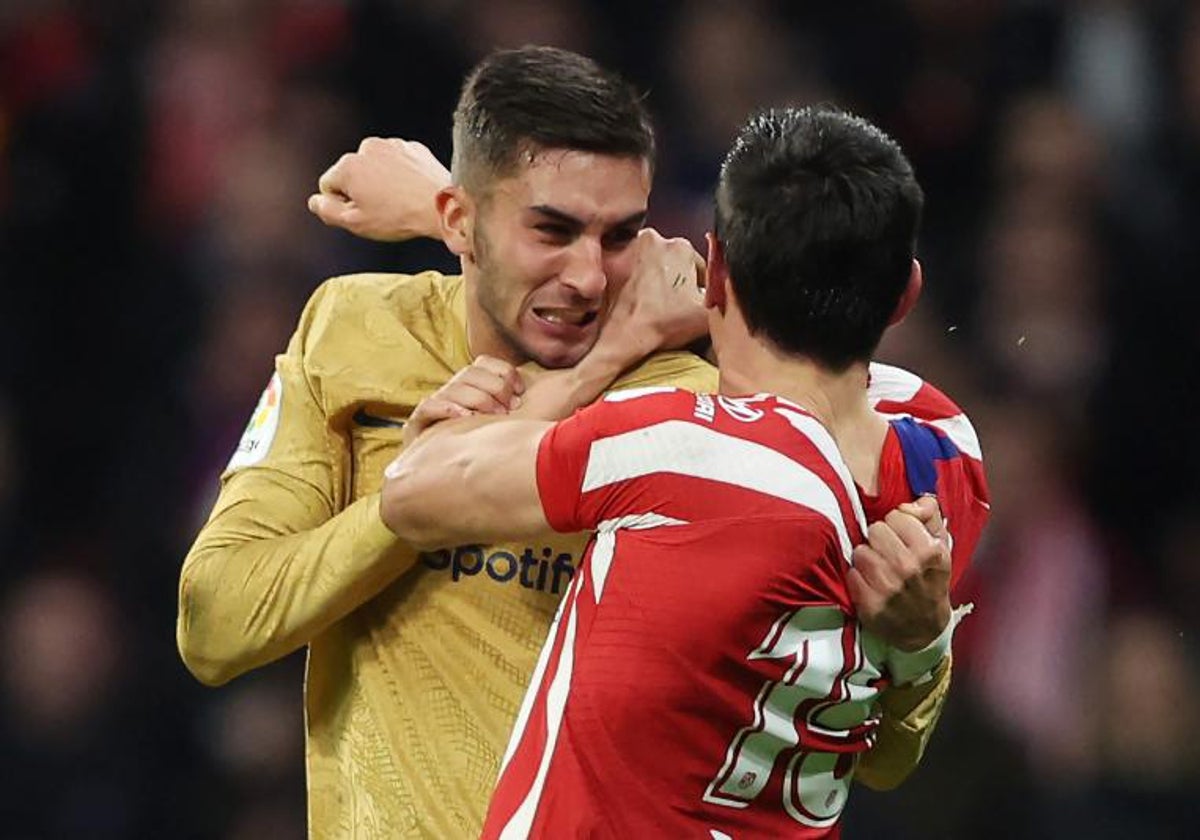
column 941, row 453
column 566, row 453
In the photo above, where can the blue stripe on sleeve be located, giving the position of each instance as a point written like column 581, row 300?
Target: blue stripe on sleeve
column 922, row 446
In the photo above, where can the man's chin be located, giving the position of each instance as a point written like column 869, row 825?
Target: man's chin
column 560, row 357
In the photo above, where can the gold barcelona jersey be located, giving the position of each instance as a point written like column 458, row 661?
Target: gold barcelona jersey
column 417, row 662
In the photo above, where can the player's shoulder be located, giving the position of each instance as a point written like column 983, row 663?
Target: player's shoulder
column 895, row 391
column 894, row 386
column 375, row 310
column 350, row 295
column 638, row 407
column 677, row 368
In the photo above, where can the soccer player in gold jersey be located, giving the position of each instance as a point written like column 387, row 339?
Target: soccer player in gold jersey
column 417, row 662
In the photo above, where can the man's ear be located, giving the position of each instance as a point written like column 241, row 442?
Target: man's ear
column 717, row 274
column 456, row 211
column 908, row 299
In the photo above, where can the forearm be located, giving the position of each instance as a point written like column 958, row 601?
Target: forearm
column 556, row 394
column 467, row 480
column 910, row 715
column 248, row 596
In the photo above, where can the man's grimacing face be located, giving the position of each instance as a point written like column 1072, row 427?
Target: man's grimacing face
column 552, row 243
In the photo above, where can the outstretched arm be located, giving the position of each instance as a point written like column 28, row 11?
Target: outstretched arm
column 472, row 479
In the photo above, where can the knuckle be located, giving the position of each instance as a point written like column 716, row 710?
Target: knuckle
column 908, row 568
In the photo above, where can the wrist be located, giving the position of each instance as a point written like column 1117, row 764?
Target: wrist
column 911, row 667
column 926, row 635
column 915, row 667
column 612, row 355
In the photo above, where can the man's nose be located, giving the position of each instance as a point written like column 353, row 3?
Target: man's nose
column 584, row 271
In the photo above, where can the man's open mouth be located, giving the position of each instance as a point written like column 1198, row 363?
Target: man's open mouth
column 565, row 317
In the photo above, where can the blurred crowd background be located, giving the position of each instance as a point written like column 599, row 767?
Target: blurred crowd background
column 155, row 252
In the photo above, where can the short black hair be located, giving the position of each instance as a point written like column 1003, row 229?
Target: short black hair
column 817, row 211
column 520, row 101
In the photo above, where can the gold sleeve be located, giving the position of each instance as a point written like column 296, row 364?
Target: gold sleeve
column 282, row 556
column 910, row 715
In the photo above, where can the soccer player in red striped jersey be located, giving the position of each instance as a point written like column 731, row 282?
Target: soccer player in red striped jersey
column 707, row 675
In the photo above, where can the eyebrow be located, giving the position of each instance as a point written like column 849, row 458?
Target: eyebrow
column 567, row 219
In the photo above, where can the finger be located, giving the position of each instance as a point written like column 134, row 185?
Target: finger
column 883, row 538
column 429, row 412
column 369, row 142
column 504, row 370
column 435, row 409
column 432, row 410
column 876, row 570
column 910, row 530
column 926, row 509
column 332, row 180
column 471, row 396
column 487, row 381
column 867, row 602
column 922, row 549
column 416, row 148
column 499, row 387
column 333, row 210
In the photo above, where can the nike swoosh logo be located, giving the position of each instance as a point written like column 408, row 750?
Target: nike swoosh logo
column 371, row 421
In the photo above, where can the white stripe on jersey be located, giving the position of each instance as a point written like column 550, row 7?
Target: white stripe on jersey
column 892, row 383
column 819, row 435
column 959, row 429
column 634, row 393
column 606, row 536
column 539, row 671
column 899, row 385
column 677, row 446
column 521, row 823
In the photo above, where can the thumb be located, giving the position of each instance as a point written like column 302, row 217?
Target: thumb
column 925, row 509
column 867, row 602
column 333, row 210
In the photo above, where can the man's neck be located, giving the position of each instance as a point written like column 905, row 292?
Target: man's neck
column 837, row 400
column 484, row 337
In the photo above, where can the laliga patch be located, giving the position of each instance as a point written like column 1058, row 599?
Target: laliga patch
column 260, row 431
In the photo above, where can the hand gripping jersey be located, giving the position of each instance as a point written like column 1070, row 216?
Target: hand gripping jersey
column 705, row 676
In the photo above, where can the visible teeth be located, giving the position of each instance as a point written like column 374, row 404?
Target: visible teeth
column 563, row 316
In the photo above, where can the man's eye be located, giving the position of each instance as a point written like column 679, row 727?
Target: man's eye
column 557, row 231
column 619, row 238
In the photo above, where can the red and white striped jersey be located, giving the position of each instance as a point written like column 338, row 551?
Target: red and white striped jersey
column 705, row 676
column 705, row 673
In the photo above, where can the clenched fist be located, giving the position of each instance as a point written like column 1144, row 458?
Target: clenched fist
column 385, row 191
